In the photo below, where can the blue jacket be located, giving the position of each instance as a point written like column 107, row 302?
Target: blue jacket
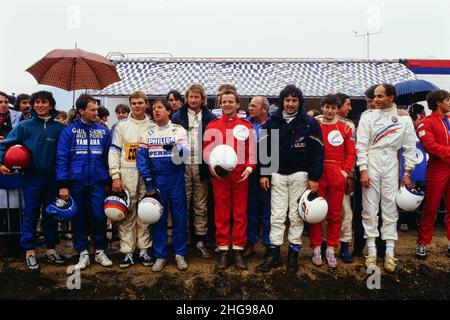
column 40, row 138
column 81, row 159
column 181, row 117
column 12, row 118
column 300, row 146
column 257, row 128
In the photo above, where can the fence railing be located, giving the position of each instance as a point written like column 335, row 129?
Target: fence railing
column 11, row 204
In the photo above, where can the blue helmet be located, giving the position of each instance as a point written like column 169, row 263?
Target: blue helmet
column 61, row 210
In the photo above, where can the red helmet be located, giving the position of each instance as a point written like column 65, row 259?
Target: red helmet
column 17, row 157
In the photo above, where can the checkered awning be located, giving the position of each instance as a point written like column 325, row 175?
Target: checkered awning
column 157, row 76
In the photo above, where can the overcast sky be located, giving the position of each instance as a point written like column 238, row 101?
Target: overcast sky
column 215, row 28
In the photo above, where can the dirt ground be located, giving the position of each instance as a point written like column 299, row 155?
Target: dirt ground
column 414, row 279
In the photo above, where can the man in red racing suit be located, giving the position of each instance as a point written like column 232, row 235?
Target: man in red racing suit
column 231, row 191
column 434, row 135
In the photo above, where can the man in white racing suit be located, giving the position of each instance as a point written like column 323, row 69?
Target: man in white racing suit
column 381, row 134
column 124, row 174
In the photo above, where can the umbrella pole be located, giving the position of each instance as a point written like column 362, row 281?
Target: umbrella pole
column 72, row 79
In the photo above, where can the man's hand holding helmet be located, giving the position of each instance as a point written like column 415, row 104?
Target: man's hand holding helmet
column 313, row 185
column 64, row 193
column 117, row 185
column 169, row 146
column 406, row 180
column 221, row 172
column 154, row 194
column 179, row 150
column 5, row 171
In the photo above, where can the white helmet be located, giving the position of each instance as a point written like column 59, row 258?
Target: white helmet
column 149, row 210
column 222, row 160
column 117, row 205
column 312, row 208
column 409, row 199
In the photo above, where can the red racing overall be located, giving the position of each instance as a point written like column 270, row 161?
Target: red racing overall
column 339, row 159
column 434, row 135
column 230, row 196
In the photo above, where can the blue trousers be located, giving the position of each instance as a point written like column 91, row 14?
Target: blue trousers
column 89, row 198
column 258, row 212
column 173, row 194
column 38, row 192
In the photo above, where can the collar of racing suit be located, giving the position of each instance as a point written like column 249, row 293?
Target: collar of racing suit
column 335, row 119
column 389, row 110
column 164, row 126
column 438, row 115
column 87, row 124
column 137, row 120
column 226, row 119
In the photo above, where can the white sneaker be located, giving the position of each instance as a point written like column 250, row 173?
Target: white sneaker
column 83, row 262
column 102, row 258
column 331, row 259
column 181, row 263
column 371, row 261
column 159, row 265
column 317, row 258
column 389, row 263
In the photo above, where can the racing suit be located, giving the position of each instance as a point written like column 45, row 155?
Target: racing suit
column 230, row 196
column 122, row 165
column 82, row 166
column 163, row 170
column 339, row 159
column 347, row 212
column 40, row 137
column 299, row 149
column 381, row 134
column 434, row 134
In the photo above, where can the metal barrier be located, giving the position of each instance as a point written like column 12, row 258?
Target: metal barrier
column 11, row 205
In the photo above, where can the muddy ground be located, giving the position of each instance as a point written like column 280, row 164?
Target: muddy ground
column 414, row 279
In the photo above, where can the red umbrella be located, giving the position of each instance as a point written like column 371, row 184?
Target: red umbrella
column 74, row 69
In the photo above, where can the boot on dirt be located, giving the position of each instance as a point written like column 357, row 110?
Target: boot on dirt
column 249, row 250
column 266, row 252
column 345, row 253
column 239, row 260
column 293, row 252
column 225, row 260
column 202, row 250
column 272, row 261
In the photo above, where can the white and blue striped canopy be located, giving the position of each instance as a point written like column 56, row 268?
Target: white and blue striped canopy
column 157, row 76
